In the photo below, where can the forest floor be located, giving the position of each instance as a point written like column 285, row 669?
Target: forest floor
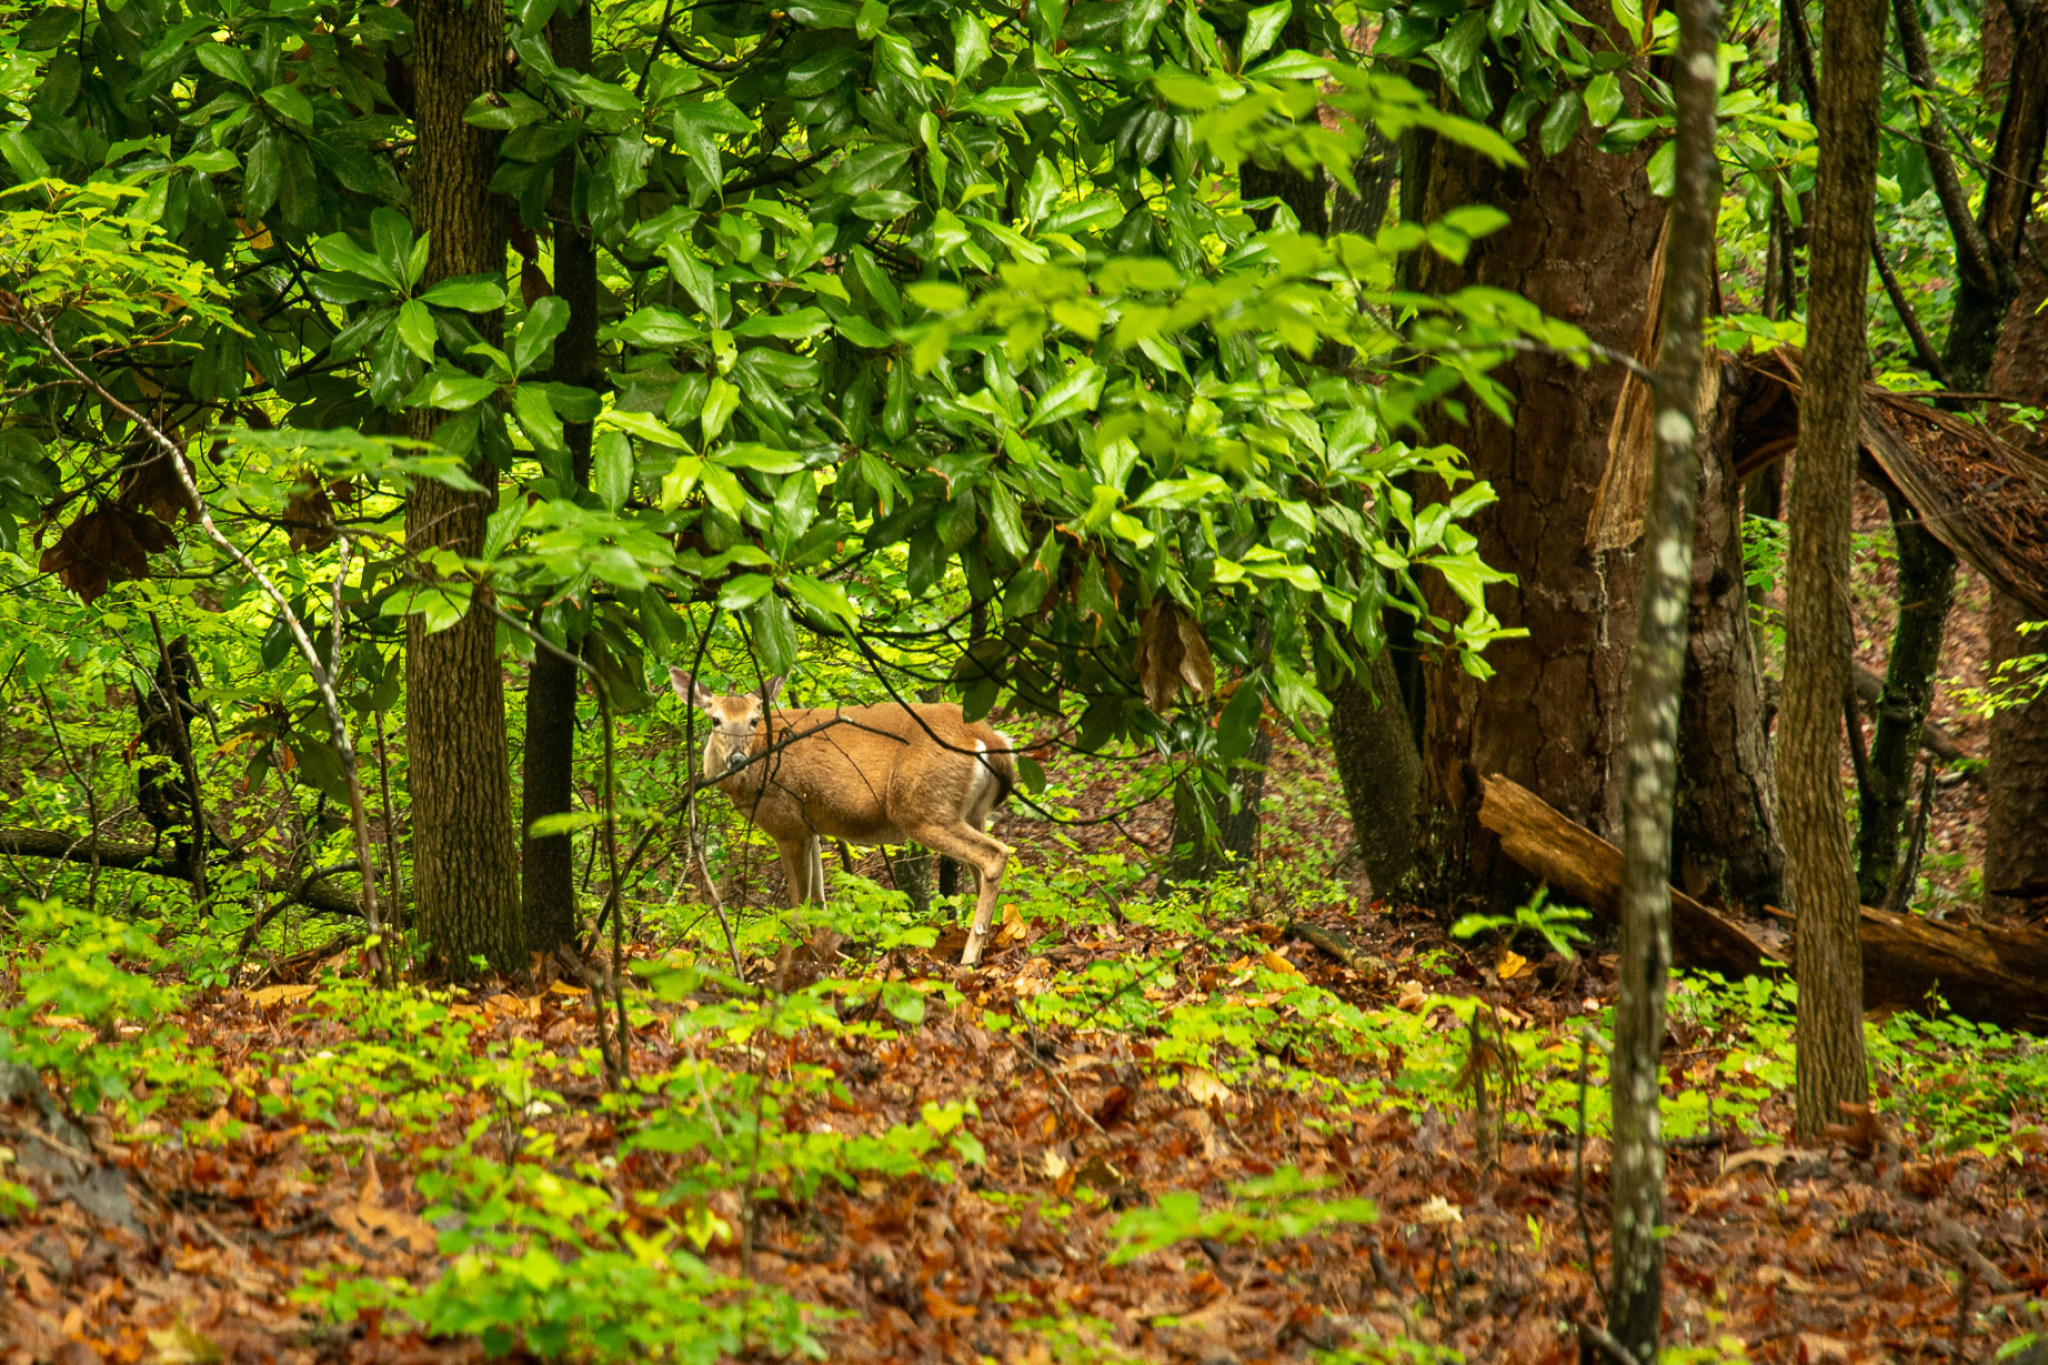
column 966, row 1166
column 1147, row 1129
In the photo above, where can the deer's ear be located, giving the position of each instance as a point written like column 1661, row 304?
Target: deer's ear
column 688, row 688
column 770, row 690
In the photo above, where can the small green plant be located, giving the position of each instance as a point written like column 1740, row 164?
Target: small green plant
column 77, row 1014
column 1283, row 1204
column 550, row 1264
column 1556, row 925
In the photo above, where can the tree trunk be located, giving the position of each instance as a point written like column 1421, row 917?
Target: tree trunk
column 1580, row 245
column 1926, row 588
column 1830, row 1056
column 2016, row 786
column 548, row 866
column 1237, row 831
column 1725, row 830
column 1987, row 282
column 1379, row 769
column 1656, row 674
column 465, row 878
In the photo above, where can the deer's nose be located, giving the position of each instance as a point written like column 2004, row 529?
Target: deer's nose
column 734, row 759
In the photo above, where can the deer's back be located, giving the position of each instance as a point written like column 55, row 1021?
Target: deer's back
column 868, row 773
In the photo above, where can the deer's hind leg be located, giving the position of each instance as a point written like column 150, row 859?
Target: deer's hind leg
column 987, row 855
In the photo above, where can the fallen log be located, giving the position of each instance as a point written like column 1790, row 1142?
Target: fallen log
column 146, row 859
column 1994, row 973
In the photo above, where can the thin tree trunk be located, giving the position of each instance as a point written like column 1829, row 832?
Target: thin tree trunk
column 1927, row 581
column 465, row 881
column 1725, row 829
column 1987, row 282
column 548, row 866
column 1830, row 1055
column 2016, row 786
column 1635, row 1299
column 1379, row 768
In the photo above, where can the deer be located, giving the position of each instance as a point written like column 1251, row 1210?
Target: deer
column 880, row 774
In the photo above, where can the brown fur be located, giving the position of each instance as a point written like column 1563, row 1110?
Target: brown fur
column 881, row 774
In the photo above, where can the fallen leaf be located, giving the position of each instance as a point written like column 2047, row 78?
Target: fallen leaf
column 1511, row 965
column 179, row 1344
column 280, row 995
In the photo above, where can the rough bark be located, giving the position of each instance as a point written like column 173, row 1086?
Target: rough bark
column 464, row 871
column 1831, row 1067
column 547, row 785
column 1994, row 973
column 1725, row 828
column 1656, row 675
column 1580, row 243
column 1379, row 769
column 2016, row 784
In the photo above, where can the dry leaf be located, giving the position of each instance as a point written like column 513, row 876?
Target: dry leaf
column 179, row 1344
column 280, row 995
column 1439, row 1211
column 1511, row 965
column 1203, row 1088
column 1413, row 998
column 1055, row 1165
column 1276, row 963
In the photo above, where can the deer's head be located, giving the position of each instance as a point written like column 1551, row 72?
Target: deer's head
column 735, row 719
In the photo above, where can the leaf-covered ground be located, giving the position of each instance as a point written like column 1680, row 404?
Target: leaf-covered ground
column 1142, row 1131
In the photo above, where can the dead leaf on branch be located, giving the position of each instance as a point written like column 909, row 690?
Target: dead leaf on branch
column 1171, row 651
column 107, row 542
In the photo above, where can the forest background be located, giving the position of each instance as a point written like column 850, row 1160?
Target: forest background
column 1261, row 411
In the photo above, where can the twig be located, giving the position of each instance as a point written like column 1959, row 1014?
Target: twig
column 1615, row 1350
column 92, row 800
column 611, row 857
column 1900, row 898
column 164, row 679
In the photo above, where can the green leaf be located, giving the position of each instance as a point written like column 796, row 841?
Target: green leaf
column 970, row 44
column 774, row 635
column 645, row 425
column 291, row 104
column 468, row 295
column 827, row 599
column 1663, row 170
column 416, row 329
column 228, row 63
column 534, row 345
column 538, row 418
column 51, row 26
column 796, row 325
column 502, row 526
column 1262, row 28
column 720, row 400
column 743, row 590
column 1603, row 98
column 1079, row 392
column 1457, row 50
column 1559, row 123
column 861, row 332
column 611, row 468
column 450, row 390
column 693, row 273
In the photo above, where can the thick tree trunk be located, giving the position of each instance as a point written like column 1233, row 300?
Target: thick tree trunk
column 1380, row 771
column 548, row 866
column 2016, row 786
column 1725, row 831
column 1580, row 245
column 465, row 877
column 1656, row 674
column 1830, row 1054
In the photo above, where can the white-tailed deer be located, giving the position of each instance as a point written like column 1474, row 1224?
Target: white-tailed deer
column 867, row 774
